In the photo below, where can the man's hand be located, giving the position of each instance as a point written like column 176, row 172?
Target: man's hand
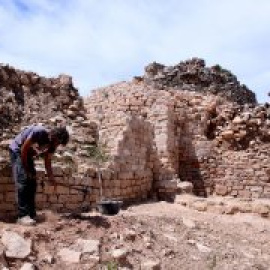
column 48, row 167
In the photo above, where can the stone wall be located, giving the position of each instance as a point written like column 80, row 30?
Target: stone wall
column 200, row 138
column 72, row 192
column 156, row 131
column 27, row 98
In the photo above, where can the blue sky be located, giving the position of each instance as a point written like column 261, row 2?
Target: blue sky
column 100, row 42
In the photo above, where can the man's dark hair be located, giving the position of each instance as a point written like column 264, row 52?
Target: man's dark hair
column 61, row 134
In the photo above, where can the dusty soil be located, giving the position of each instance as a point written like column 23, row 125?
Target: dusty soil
column 171, row 235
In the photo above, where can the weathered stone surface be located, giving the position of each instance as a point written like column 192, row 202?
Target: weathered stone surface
column 119, row 254
column 16, row 246
column 200, row 206
column 261, row 209
column 189, row 223
column 191, row 73
column 28, row 266
column 151, row 265
column 130, row 234
column 185, row 187
column 69, row 255
column 221, row 190
column 88, row 246
column 202, row 248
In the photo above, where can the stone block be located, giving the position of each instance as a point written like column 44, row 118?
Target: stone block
column 10, row 197
column 41, row 198
column 57, row 171
column 5, row 180
column 261, row 209
column 53, row 198
column 62, row 190
column 69, row 255
column 126, row 175
column 221, row 190
column 244, row 194
column 16, row 246
column 48, row 189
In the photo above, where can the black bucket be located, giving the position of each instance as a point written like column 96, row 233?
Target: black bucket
column 109, row 207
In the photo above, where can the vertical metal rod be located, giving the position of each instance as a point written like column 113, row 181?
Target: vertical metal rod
column 100, row 183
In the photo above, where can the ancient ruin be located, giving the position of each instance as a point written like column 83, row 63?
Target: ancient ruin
column 176, row 128
column 187, row 134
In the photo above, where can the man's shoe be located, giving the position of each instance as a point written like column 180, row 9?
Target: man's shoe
column 26, row 221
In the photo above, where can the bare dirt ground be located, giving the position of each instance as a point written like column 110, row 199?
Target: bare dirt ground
column 157, row 235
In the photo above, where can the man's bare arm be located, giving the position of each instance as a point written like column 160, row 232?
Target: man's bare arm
column 24, row 154
column 48, row 166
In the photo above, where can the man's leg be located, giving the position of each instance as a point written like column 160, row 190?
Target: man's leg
column 21, row 185
column 32, row 189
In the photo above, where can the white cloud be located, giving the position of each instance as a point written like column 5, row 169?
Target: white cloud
column 101, row 42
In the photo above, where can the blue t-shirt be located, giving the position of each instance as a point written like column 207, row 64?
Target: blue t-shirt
column 40, row 139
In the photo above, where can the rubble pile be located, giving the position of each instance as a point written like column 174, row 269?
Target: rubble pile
column 193, row 75
column 239, row 127
column 27, row 98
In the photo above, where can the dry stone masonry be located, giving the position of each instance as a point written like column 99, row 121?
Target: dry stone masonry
column 184, row 128
column 216, row 140
column 27, row 98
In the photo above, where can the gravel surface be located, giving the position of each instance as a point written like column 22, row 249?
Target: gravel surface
column 156, row 235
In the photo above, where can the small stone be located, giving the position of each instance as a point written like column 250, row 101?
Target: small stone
column 227, row 134
column 170, row 237
column 48, row 259
column 191, row 242
column 231, row 209
column 65, row 79
column 28, row 266
column 203, row 248
column 130, row 235
column 261, row 209
column 185, row 187
column 150, row 265
column 119, row 254
column 200, row 206
column 16, row 246
column 221, row 190
column 88, row 246
column 189, row 223
column 69, row 255
column 237, row 120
